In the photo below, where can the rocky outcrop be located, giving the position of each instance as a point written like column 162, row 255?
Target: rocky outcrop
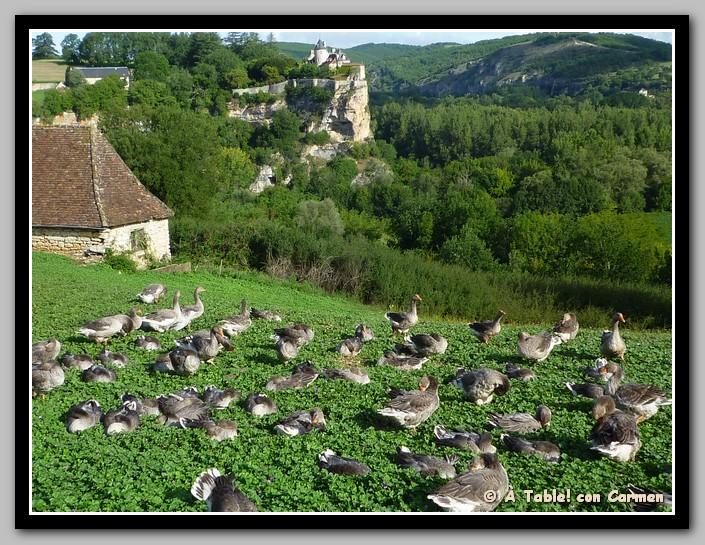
column 265, row 179
column 347, row 117
column 259, row 114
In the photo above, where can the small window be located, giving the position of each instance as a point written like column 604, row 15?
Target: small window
column 138, row 240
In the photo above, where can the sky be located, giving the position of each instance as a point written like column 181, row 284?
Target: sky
column 347, row 39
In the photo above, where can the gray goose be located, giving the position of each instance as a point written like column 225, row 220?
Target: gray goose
column 411, row 409
column 98, row 373
column 46, row 376
column 122, row 420
column 470, row 491
column 598, row 373
column 218, row 430
column 220, row 493
column 206, row 345
column 299, row 334
column 642, row 400
column 519, row 373
column 536, row 347
column 301, row 423
column 544, row 449
column 522, row 422
column 478, row 443
column 148, row 343
column 351, row 347
column 163, row 319
column 592, row 391
column 77, row 361
column 615, row 433
column 330, row 461
column 152, row 293
column 405, row 363
column 487, row 329
column 237, row 323
column 260, row 404
column 102, row 329
column 304, row 374
column 353, row 374
column 145, row 406
column 480, row 385
column 84, row 416
column 116, row 359
column 612, row 345
column 178, row 410
column 567, row 327
column 265, row 315
column 220, row 399
column 427, row 465
column 423, row 345
column 287, row 349
column 189, row 313
column 401, row 322
column 44, row 351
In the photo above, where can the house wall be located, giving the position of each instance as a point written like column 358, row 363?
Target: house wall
column 74, row 242
column 92, row 81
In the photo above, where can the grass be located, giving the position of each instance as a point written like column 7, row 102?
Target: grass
column 37, row 99
column 153, row 468
column 48, row 71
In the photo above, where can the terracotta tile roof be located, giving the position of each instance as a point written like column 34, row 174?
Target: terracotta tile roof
column 79, row 180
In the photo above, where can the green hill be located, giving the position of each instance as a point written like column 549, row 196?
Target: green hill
column 295, row 50
column 153, row 467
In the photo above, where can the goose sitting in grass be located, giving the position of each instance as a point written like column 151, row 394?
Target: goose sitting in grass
column 260, row 404
column 487, row 329
column 44, row 351
column 427, row 465
column 300, row 334
column 220, row 399
column 519, row 373
column 353, row 374
column 265, row 315
column 98, row 373
column 106, row 357
column 602, row 370
column 144, row 406
column 190, row 312
column 148, row 343
column 287, row 349
column 175, row 407
column 413, row 408
column 615, row 433
column 163, row 319
column 544, row 449
column 567, row 328
column 405, row 363
column 46, row 376
column 422, row 345
column 207, row 347
column 120, row 324
column 152, row 293
column 77, row 361
column 642, row 400
column 612, row 345
column 237, row 323
column 303, row 375
column 522, row 422
column 480, row 385
column 220, row 493
column 218, row 430
column 122, row 420
column 301, row 423
column 84, row 416
column 401, row 322
column 480, row 489
column 477, row 443
column 592, row 391
column 330, row 461
column 351, row 347
column 184, row 361
column 536, row 347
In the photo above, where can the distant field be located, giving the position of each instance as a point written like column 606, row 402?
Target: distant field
column 662, row 222
column 45, row 71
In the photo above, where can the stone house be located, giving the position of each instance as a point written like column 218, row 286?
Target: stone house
column 94, row 74
column 86, row 200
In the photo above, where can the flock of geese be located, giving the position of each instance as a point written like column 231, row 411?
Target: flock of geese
column 618, row 407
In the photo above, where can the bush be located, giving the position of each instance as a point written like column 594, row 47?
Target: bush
column 119, row 261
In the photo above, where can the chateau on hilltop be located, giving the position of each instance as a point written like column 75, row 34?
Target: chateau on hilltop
column 320, row 56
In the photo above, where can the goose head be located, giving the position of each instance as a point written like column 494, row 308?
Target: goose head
column 543, row 415
column 603, row 405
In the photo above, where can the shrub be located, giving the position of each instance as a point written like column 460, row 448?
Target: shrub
column 119, row 261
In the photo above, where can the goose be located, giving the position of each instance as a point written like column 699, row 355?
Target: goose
column 84, row 416
column 519, row 373
column 207, row 347
column 175, row 408
column 567, row 328
column 330, row 461
column 642, row 400
column 163, row 319
column 424, row 383
column 46, row 376
column 102, row 329
column 301, row 423
column 536, row 347
column 351, row 347
column 148, row 343
column 487, row 329
column 77, row 361
column 184, row 361
column 353, row 374
column 612, row 345
column 480, row 385
column 112, row 358
column 287, row 349
column 401, row 322
column 145, row 406
column 413, row 408
column 593, row 391
column 260, row 404
column 122, row 420
column 237, row 323
column 303, row 375
column 480, row 489
column 300, row 334
column 598, row 373
column 220, row 399
column 615, row 433
column 522, row 422
column 422, row 345
column 219, row 430
column 190, row 312
column 98, row 373
column 44, row 351
column 478, row 443
column 544, row 449
column 152, row 293
column 265, row 315
column 427, row 465
column 405, row 363
column 220, row 493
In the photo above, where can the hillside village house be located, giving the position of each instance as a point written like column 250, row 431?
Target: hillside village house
column 86, row 200
column 93, row 75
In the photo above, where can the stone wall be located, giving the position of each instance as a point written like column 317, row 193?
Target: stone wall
column 156, row 234
column 71, row 242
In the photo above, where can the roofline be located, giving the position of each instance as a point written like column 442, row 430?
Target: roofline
column 83, row 227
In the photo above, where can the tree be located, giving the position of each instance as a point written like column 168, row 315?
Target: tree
column 43, row 47
column 319, row 218
column 69, row 48
column 74, row 77
column 151, row 65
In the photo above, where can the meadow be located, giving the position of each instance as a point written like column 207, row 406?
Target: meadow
column 153, row 468
column 48, row 71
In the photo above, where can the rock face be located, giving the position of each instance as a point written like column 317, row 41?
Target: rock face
column 347, row 117
column 259, row 114
column 264, row 179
